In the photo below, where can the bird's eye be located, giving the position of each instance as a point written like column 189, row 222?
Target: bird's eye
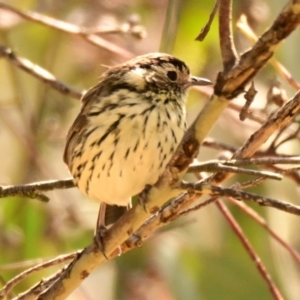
column 172, row 75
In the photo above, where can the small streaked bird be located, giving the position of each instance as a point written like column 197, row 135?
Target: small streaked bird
column 128, row 128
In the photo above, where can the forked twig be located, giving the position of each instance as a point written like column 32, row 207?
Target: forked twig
column 212, row 190
column 68, row 28
column 50, row 263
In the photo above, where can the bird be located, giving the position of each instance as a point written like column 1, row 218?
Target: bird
column 128, row 128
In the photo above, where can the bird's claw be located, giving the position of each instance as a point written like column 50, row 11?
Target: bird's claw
column 99, row 239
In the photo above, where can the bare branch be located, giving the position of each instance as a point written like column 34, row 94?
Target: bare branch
column 203, row 188
column 69, row 28
column 232, row 83
column 228, row 51
column 217, row 166
column 38, row 72
column 250, row 250
column 35, row 189
column 212, row 143
column 129, row 28
column 244, row 27
column 276, row 121
column 254, row 215
column 248, row 161
column 13, row 282
column 249, row 183
column 31, row 294
column 204, row 31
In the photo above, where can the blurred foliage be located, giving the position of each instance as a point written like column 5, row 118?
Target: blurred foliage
column 198, row 257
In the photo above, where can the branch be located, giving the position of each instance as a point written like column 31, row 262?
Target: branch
column 228, row 51
column 276, row 121
column 250, row 250
column 35, row 189
column 68, row 28
column 204, row 31
column 232, row 83
column 247, row 161
column 55, row 261
column 38, row 72
column 212, row 190
column 244, row 27
column 215, row 166
column 255, row 216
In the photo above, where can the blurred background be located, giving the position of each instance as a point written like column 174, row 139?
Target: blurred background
column 196, row 257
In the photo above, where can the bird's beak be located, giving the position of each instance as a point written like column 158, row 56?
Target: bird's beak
column 198, row 81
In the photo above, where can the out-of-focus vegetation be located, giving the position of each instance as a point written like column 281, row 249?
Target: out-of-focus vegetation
column 197, row 257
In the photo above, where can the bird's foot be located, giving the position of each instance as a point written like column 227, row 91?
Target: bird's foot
column 99, row 239
column 143, row 197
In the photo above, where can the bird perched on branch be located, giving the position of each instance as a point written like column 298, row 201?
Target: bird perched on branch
column 128, row 128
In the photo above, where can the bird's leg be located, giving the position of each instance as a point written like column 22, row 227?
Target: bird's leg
column 108, row 214
column 143, row 197
column 113, row 213
column 101, row 229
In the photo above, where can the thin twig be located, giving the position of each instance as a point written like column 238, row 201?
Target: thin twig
column 276, row 122
column 291, row 136
column 228, row 51
column 180, row 214
column 69, row 28
column 135, row 30
column 35, row 189
column 252, row 115
column 271, row 160
column 254, row 215
column 204, row 31
column 291, row 173
column 249, row 96
column 248, row 184
column 38, row 72
column 31, row 294
column 219, row 167
column 31, row 189
column 250, row 250
column 217, row 145
column 203, row 188
column 50, row 263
